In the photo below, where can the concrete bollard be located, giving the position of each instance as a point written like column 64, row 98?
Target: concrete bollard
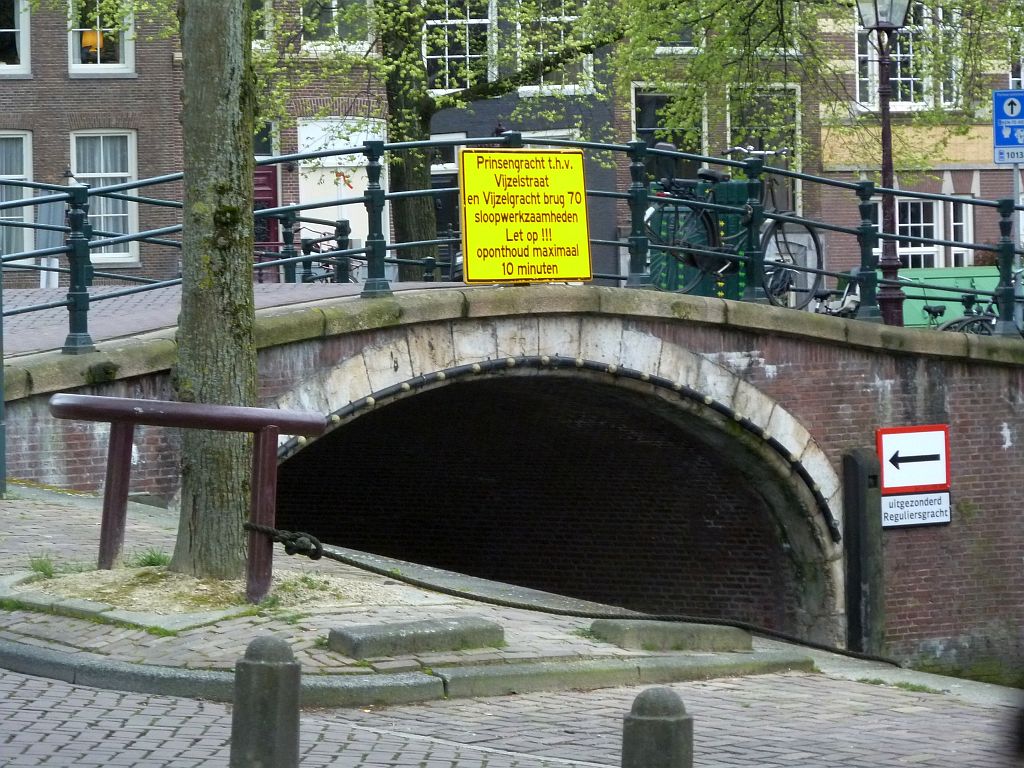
column 265, row 721
column 657, row 732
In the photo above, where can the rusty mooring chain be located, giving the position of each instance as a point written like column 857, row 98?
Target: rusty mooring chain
column 295, row 543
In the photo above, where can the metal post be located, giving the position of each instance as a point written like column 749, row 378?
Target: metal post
column 429, row 266
column 657, row 732
column 754, row 289
column 265, row 718
column 288, row 249
column 449, row 235
column 890, row 295
column 867, row 237
column 259, row 565
column 307, row 264
column 376, row 282
column 639, row 275
column 1004, row 292
column 78, row 339
column 342, row 231
column 115, row 493
column 1018, row 279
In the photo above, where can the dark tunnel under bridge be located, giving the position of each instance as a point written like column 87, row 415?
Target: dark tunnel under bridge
column 572, row 486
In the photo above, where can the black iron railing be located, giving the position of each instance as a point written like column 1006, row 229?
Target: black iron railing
column 330, row 256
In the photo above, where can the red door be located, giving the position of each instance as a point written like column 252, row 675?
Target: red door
column 267, row 230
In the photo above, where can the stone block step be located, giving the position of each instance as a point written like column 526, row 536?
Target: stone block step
column 647, row 635
column 367, row 641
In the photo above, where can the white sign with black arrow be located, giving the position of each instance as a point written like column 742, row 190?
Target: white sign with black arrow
column 914, row 458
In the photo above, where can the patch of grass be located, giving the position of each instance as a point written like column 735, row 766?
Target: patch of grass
column 585, row 633
column 916, row 687
column 871, row 680
column 269, row 603
column 42, row 566
column 321, row 642
column 149, row 557
column 161, row 632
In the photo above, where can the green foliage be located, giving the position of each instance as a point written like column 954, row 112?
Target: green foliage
column 149, row 557
column 42, row 566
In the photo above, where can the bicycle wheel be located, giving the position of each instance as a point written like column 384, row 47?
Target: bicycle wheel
column 676, row 225
column 788, row 247
column 981, row 325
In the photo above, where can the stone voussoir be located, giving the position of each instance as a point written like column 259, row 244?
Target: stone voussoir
column 365, row 641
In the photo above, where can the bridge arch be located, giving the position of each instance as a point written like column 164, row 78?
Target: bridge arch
column 753, row 502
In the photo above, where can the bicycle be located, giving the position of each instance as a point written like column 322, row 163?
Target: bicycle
column 687, row 238
column 980, row 314
column 841, row 301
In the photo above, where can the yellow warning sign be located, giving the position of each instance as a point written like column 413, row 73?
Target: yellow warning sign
column 524, row 216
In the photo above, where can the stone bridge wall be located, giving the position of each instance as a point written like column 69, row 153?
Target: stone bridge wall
column 816, row 385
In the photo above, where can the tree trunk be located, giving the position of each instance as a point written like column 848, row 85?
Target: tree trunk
column 216, row 344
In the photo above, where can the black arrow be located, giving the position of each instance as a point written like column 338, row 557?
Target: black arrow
column 897, row 459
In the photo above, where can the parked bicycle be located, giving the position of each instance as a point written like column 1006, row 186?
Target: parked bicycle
column 980, row 314
column 690, row 242
column 841, row 301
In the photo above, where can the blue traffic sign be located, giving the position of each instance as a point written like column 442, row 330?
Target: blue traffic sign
column 1008, row 126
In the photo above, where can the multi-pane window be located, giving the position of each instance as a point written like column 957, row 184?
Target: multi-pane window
column 931, row 219
column 99, row 160
column 549, row 34
column 653, row 122
column 346, row 21
column 456, row 43
column 14, row 164
column 14, row 37
column 912, row 86
column 98, row 41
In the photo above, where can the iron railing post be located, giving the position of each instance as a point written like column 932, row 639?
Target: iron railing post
column 639, row 274
column 288, row 249
column 449, row 235
column 867, row 237
column 376, row 281
column 342, row 232
column 754, row 268
column 429, row 266
column 306, row 244
column 1005, row 325
column 78, row 339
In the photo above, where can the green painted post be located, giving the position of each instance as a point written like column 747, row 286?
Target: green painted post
column 867, row 237
column 342, row 232
column 1005, row 326
column 639, row 274
column 78, row 340
column 288, row 249
column 376, row 281
column 754, row 268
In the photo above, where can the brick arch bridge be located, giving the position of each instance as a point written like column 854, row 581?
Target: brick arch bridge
column 670, row 453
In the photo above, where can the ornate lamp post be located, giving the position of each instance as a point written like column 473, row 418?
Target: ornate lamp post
column 886, row 17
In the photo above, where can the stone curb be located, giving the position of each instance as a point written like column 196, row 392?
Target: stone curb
column 504, row 679
column 397, row 688
column 407, row 638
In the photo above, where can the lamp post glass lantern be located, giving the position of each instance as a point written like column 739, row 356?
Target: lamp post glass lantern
column 885, row 17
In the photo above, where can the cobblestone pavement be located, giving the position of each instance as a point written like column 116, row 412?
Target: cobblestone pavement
column 768, row 721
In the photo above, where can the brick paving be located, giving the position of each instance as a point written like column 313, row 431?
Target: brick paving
column 767, row 721
column 137, row 313
column 764, row 721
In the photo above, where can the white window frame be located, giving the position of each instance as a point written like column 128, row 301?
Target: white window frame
column 490, row 22
column 77, row 68
column 25, row 214
column 442, row 168
column 125, row 253
column 23, row 34
column 334, row 41
column 571, row 89
column 901, row 58
column 951, row 220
